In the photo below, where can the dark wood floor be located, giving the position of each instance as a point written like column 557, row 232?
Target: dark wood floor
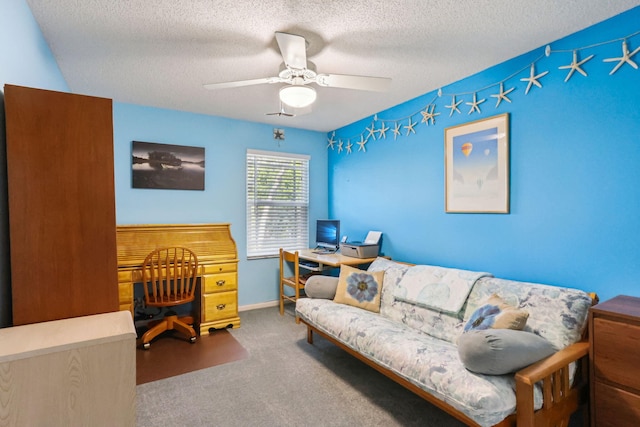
column 171, row 354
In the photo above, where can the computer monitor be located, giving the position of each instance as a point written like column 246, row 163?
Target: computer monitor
column 328, row 233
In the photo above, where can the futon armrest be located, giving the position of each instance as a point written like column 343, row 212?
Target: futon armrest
column 539, row 370
column 553, row 373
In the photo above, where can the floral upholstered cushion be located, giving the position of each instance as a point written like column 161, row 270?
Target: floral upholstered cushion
column 359, row 288
column 557, row 314
column 429, row 363
column 439, row 288
column 496, row 314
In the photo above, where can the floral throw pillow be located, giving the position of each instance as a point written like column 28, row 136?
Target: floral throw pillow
column 496, row 314
column 359, row 288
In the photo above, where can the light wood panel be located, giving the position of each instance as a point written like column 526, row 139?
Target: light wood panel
column 71, row 372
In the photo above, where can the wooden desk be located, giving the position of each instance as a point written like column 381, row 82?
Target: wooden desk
column 330, row 260
column 217, row 303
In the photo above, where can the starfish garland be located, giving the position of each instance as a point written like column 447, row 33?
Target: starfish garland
column 626, row 57
column 533, row 78
column 332, row 141
column 340, row 147
column 396, row 131
column 475, row 104
column 349, row 145
column 454, row 105
column 575, row 66
column 502, row 95
column 429, row 114
column 382, row 132
column 361, row 143
column 372, row 131
column 410, row 126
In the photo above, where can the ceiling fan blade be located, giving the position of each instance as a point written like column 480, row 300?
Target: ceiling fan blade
column 376, row 84
column 241, row 83
column 293, row 49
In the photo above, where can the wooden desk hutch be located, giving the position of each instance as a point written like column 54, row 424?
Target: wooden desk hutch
column 217, row 303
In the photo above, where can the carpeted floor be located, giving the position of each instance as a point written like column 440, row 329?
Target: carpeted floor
column 172, row 355
column 283, row 382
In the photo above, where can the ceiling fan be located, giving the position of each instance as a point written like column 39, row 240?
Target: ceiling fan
column 281, row 113
column 297, row 75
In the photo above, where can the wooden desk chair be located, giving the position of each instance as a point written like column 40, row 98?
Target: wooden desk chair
column 296, row 281
column 169, row 279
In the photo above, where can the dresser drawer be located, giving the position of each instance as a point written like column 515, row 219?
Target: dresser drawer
column 219, row 282
column 220, row 305
column 616, row 350
column 219, row 268
column 615, row 407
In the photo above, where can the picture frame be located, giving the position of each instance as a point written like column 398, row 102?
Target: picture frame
column 477, row 166
column 167, row 166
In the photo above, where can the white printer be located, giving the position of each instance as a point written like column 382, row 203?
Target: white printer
column 367, row 249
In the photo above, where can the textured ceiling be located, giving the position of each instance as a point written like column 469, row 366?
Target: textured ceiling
column 159, row 53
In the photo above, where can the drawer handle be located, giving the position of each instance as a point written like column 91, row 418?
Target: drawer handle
column 221, row 282
column 221, row 306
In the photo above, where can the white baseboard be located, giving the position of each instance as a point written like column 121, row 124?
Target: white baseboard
column 259, row 305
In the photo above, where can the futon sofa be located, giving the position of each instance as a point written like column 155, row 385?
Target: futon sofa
column 488, row 351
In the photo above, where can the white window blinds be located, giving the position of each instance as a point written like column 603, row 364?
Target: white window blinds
column 277, row 202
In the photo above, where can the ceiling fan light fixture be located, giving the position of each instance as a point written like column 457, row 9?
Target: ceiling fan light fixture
column 298, row 96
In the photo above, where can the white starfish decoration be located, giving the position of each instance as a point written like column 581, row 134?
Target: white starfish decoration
column 396, row 131
column 332, row 141
column 575, row 66
column 502, row 95
column 475, row 104
column 429, row 114
column 372, row 131
column 454, row 106
column 533, row 78
column 361, row 143
column 410, row 126
column 626, row 57
column 349, row 146
column 382, row 132
column 340, row 147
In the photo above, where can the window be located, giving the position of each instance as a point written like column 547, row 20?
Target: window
column 277, row 202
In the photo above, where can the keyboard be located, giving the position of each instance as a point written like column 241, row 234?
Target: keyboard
column 323, row 251
column 311, row 264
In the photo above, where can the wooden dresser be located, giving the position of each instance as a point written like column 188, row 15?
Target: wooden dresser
column 217, row 303
column 615, row 362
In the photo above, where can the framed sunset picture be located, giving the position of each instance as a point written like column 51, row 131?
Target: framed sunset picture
column 477, row 166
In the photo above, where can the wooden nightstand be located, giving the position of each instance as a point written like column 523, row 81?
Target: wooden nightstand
column 615, row 362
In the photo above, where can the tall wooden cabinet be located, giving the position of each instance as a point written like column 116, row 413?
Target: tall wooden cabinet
column 615, row 362
column 61, row 204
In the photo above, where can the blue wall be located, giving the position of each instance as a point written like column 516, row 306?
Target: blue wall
column 575, row 169
column 25, row 57
column 25, row 60
column 224, row 199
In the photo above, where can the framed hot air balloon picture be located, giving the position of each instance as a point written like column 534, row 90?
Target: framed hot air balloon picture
column 477, row 166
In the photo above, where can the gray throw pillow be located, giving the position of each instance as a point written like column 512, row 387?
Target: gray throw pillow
column 501, row 351
column 319, row 286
